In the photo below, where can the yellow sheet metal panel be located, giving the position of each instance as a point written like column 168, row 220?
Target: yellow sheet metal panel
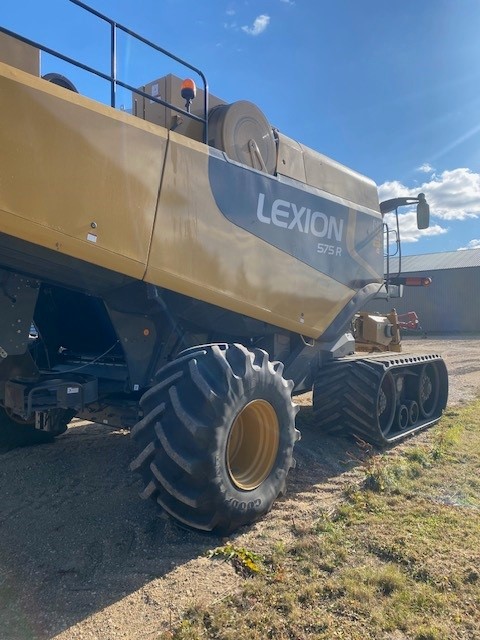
column 290, row 158
column 12, row 225
column 197, row 251
column 84, row 176
column 19, row 55
column 335, row 178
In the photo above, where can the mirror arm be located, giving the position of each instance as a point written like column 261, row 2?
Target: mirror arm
column 390, row 205
column 423, row 209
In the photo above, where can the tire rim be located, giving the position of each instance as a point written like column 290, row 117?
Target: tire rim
column 252, row 445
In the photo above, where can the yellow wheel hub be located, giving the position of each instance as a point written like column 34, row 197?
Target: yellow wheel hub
column 253, row 445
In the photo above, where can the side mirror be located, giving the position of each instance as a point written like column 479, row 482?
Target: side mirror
column 423, row 209
column 423, row 212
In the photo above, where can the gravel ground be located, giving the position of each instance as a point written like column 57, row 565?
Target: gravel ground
column 81, row 556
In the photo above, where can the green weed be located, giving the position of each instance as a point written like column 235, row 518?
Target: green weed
column 383, row 475
column 245, row 562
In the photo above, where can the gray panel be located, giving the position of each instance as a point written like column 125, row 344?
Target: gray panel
column 436, row 261
column 450, row 304
column 329, row 234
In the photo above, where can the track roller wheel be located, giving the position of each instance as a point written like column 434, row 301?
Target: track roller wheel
column 402, row 417
column 428, row 390
column 217, row 437
column 413, row 412
column 386, row 404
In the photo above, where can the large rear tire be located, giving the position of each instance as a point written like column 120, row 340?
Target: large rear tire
column 217, row 437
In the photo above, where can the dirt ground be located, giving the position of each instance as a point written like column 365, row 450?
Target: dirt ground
column 81, row 556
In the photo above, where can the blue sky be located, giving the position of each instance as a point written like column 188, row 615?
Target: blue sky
column 390, row 88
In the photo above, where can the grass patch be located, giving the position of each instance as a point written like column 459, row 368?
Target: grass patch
column 398, row 559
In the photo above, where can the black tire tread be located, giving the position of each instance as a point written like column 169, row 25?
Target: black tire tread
column 177, row 432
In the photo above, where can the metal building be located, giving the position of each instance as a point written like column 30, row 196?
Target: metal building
column 451, row 303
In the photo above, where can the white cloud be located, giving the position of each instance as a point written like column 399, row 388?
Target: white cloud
column 426, row 168
column 291, row 2
column 230, row 12
column 259, row 25
column 473, row 244
column 392, row 189
column 452, row 195
column 408, row 227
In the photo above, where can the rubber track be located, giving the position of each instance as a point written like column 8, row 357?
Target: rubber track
column 346, row 393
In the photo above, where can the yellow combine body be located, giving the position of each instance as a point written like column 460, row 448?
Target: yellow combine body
column 184, row 270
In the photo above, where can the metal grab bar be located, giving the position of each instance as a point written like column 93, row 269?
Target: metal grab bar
column 112, row 78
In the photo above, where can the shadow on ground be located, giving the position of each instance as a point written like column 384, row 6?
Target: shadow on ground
column 75, row 537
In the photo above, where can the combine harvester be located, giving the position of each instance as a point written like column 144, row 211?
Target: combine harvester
column 188, row 269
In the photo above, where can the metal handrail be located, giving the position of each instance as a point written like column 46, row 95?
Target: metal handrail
column 112, row 78
column 386, row 254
